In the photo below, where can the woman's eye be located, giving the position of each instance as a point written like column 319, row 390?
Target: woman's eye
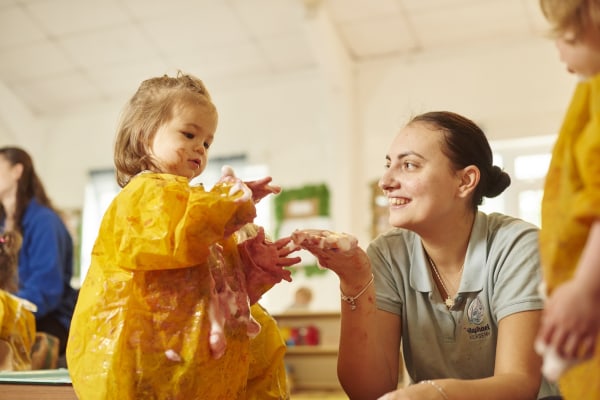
column 409, row 165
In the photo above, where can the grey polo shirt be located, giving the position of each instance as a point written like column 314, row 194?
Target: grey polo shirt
column 500, row 277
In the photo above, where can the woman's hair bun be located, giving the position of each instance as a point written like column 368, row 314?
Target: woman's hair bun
column 499, row 180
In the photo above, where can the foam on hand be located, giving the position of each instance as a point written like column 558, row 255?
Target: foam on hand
column 554, row 366
column 324, row 239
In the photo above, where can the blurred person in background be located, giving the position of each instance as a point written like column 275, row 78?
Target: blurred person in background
column 46, row 256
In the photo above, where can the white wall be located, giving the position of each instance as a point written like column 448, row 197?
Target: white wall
column 512, row 89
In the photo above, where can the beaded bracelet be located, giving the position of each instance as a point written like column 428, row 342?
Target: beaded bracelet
column 437, row 387
column 352, row 299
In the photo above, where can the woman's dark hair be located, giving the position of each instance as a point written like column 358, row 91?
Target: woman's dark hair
column 466, row 144
column 29, row 186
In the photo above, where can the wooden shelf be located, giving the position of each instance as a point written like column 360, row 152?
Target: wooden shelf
column 36, row 385
column 313, row 367
column 36, row 392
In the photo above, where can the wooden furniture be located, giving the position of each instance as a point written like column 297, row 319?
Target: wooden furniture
column 312, row 367
column 37, row 385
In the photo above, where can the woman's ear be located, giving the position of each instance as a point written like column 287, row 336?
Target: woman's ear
column 469, row 179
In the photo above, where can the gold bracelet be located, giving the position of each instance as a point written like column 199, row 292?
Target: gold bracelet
column 437, row 387
column 352, row 299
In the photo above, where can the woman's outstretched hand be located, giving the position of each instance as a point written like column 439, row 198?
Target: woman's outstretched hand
column 338, row 252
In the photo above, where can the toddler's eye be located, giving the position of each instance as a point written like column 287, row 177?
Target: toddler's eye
column 569, row 38
column 188, row 135
column 206, row 145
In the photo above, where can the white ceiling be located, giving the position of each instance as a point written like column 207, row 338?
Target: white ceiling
column 58, row 54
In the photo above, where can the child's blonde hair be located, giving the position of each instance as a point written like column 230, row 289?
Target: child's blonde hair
column 571, row 15
column 10, row 244
column 149, row 108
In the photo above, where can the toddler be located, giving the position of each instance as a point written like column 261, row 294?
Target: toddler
column 165, row 309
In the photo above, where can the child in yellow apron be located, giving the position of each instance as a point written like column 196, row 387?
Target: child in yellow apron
column 165, row 309
column 570, row 234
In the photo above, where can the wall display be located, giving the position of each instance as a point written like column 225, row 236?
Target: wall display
column 306, row 207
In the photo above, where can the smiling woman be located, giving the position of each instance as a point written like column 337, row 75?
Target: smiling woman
column 455, row 287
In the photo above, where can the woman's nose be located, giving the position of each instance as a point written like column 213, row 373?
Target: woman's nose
column 385, row 181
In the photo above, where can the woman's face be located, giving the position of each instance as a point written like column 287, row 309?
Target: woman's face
column 9, row 178
column 580, row 54
column 181, row 145
column 419, row 181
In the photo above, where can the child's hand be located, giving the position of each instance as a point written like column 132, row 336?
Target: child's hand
column 263, row 263
column 570, row 321
column 228, row 177
column 261, row 188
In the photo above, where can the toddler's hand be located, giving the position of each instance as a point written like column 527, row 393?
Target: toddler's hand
column 228, row 177
column 569, row 328
column 261, row 188
column 263, row 263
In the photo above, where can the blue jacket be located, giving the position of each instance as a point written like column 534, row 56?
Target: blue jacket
column 46, row 263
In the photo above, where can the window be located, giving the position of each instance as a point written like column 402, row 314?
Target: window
column 526, row 161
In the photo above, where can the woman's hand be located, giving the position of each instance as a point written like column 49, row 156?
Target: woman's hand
column 338, row 252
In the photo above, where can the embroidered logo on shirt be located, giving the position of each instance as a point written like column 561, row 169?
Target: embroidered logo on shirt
column 476, row 317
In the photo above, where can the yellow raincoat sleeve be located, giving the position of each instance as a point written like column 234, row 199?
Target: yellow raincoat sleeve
column 160, row 222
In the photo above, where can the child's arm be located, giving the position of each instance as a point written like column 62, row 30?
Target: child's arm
column 570, row 320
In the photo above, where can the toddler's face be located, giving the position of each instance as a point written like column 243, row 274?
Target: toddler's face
column 580, row 54
column 180, row 146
